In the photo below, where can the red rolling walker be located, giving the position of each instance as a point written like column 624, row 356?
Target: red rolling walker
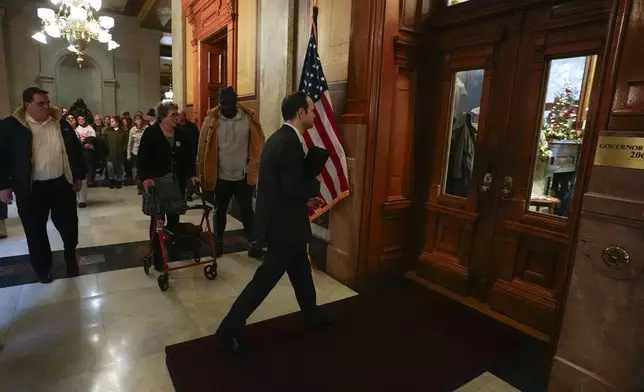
column 165, row 237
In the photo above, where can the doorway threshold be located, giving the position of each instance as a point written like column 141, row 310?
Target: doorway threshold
column 479, row 306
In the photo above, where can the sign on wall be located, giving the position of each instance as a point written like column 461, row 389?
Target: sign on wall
column 620, row 151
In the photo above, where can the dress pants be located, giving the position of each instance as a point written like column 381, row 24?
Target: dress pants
column 243, row 193
column 4, row 211
column 58, row 197
column 293, row 260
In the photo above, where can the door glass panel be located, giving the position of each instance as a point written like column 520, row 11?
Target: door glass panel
column 561, row 134
column 467, row 92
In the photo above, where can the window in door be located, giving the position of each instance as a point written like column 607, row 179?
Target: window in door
column 565, row 114
column 467, row 92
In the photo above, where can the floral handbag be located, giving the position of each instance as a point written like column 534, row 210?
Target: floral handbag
column 164, row 198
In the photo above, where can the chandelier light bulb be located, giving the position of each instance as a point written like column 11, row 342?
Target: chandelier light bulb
column 93, row 27
column 77, row 14
column 72, row 49
column 104, row 37
column 40, row 37
column 53, row 30
column 106, row 22
column 55, row 2
column 112, row 45
column 96, row 4
column 46, row 14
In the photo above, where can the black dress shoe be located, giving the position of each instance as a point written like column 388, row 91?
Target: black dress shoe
column 119, row 184
column 230, row 344
column 255, row 251
column 82, row 205
column 45, row 278
column 112, row 184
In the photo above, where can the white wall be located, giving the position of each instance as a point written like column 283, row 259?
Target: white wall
column 129, row 75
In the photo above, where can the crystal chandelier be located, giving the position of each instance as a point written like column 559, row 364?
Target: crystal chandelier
column 76, row 23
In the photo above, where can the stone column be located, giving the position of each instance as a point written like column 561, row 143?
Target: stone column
column 5, row 98
column 277, row 25
column 109, row 95
column 150, row 68
column 178, row 54
column 601, row 344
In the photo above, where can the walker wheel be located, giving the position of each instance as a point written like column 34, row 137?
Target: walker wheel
column 147, row 261
column 210, row 271
column 164, row 282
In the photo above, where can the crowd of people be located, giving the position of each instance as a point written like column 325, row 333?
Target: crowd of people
column 111, row 144
column 50, row 156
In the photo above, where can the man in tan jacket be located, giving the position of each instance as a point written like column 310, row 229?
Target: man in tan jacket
column 230, row 144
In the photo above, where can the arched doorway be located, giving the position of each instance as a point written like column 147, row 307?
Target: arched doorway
column 74, row 82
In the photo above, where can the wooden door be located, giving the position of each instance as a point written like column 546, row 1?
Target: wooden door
column 212, row 75
column 495, row 229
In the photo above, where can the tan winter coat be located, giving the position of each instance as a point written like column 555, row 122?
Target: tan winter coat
column 208, row 153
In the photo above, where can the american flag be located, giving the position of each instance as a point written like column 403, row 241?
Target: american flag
column 335, row 185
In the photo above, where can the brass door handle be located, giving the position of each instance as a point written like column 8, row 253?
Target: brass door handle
column 487, row 183
column 506, row 192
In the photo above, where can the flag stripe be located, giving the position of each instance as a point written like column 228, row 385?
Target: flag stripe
column 317, row 141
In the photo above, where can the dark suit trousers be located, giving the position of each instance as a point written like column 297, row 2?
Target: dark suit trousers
column 243, row 193
column 58, row 197
column 291, row 259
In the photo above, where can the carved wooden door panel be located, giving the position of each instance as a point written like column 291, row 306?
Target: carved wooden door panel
column 468, row 128
column 545, row 159
column 212, row 75
column 509, row 160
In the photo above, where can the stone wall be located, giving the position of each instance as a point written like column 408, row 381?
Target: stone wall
column 128, row 77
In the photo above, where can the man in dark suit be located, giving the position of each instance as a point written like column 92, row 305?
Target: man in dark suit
column 282, row 223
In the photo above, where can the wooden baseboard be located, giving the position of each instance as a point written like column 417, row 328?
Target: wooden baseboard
column 479, row 306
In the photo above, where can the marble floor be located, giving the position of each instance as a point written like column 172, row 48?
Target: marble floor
column 112, row 216
column 487, row 382
column 106, row 332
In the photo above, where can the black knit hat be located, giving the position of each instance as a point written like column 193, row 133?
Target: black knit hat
column 227, row 93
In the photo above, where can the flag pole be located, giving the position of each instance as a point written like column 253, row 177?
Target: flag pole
column 315, row 34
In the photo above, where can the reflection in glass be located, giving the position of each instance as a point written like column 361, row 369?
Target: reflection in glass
column 466, row 104
column 561, row 135
column 454, row 2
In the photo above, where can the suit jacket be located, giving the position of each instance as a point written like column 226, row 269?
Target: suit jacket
column 16, row 152
column 281, row 212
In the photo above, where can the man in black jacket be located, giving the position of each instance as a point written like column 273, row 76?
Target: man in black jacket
column 282, row 223
column 41, row 162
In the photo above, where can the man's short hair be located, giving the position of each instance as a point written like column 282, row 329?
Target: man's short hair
column 28, row 94
column 163, row 108
column 292, row 103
